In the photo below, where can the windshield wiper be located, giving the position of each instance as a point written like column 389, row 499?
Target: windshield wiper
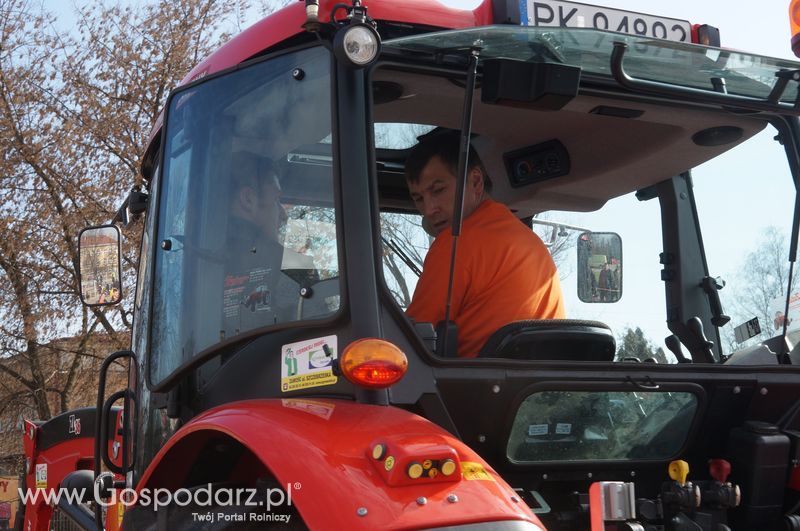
column 396, row 249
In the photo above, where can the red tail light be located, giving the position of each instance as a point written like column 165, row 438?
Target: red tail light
column 373, row 363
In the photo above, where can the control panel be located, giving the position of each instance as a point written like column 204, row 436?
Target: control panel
column 537, row 163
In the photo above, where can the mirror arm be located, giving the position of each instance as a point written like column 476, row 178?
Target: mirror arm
column 121, row 217
column 135, row 205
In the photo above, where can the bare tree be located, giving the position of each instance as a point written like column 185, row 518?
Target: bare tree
column 403, row 232
column 76, row 108
column 762, row 277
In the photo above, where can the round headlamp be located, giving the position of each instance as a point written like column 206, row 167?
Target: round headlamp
column 357, row 44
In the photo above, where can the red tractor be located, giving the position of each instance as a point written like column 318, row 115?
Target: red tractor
column 323, row 405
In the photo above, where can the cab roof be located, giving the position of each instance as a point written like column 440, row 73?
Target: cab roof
column 286, row 23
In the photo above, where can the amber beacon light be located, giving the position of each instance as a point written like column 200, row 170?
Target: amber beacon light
column 794, row 19
column 373, row 363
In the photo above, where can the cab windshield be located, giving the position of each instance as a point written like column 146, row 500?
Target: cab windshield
column 617, row 156
column 246, row 237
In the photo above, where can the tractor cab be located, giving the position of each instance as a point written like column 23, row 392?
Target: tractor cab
column 281, row 248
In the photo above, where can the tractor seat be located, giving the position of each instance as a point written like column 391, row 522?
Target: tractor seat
column 552, row 339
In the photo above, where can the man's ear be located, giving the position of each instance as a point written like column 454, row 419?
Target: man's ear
column 475, row 182
column 247, row 199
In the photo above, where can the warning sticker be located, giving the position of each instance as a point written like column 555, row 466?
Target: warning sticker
column 249, row 291
column 474, row 471
column 41, row 476
column 308, row 364
column 538, row 429
column 563, row 428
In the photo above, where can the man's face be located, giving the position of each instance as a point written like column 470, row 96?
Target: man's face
column 270, row 215
column 261, row 204
column 434, row 194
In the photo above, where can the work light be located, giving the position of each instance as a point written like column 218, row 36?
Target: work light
column 357, row 44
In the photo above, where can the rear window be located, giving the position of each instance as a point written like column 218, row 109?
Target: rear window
column 601, row 426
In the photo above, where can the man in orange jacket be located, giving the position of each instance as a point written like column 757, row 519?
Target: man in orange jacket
column 503, row 271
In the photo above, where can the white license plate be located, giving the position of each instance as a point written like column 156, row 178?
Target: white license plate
column 563, row 14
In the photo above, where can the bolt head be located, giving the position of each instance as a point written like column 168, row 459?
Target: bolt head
column 361, row 511
column 452, row 498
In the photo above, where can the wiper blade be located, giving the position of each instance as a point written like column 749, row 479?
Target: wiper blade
column 396, row 249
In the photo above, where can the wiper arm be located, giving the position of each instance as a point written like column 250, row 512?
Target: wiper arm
column 396, row 249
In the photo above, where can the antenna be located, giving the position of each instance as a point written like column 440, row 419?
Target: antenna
column 461, row 178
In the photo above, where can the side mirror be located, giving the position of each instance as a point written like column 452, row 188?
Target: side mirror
column 100, row 269
column 599, row 267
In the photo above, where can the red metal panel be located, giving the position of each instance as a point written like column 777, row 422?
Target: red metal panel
column 288, row 21
column 54, row 464
column 323, row 450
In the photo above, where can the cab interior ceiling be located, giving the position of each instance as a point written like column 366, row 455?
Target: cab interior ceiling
column 610, row 156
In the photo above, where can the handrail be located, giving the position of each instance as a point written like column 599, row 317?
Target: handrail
column 705, row 96
column 101, row 429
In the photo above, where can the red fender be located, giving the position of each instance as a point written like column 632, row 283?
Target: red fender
column 325, row 452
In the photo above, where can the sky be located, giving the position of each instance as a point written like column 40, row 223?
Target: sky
column 738, row 194
column 758, row 27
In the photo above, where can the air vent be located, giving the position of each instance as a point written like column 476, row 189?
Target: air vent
column 616, row 112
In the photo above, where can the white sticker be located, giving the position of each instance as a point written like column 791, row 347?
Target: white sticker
column 563, row 428
column 538, row 429
column 317, row 408
column 308, row 363
column 41, row 476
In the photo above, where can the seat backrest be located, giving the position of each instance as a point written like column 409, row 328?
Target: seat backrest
column 552, row 339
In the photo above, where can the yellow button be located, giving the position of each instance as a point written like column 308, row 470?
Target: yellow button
column 414, row 470
column 389, row 463
column 427, row 464
column 432, row 473
column 678, row 470
column 448, row 467
column 378, row 451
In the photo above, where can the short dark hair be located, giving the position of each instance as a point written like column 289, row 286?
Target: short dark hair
column 249, row 169
column 445, row 145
